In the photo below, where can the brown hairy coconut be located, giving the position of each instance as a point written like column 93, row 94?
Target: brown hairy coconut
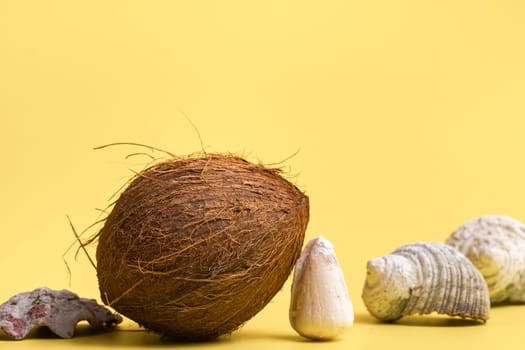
column 195, row 247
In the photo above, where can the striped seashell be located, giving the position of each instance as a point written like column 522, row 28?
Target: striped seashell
column 422, row 278
column 495, row 244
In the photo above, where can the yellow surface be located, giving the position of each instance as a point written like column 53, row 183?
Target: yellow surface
column 409, row 117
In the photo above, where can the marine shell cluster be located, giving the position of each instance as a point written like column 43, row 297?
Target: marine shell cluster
column 496, row 246
column 422, row 278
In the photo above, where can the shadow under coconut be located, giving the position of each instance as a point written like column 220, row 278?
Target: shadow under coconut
column 135, row 338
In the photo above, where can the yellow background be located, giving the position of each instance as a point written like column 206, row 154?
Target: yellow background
column 409, row 117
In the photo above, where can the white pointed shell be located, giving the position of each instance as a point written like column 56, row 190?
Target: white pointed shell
column 495, row 244
column 320, row 307
column 425, row 277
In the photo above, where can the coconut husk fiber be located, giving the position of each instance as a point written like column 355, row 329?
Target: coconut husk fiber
column 195, row 247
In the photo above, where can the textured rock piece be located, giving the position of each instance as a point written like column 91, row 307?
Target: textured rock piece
column 425, row 277
column 496, row 246
column 320, row 307
column 59, row 310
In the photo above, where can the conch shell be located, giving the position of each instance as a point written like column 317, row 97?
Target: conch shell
column 495, row 244
column 425, row 277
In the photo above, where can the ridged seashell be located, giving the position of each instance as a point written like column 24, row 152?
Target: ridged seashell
column 421, row 278
column 496, row 246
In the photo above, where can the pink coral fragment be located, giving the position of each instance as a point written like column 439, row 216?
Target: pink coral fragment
column 59, row 310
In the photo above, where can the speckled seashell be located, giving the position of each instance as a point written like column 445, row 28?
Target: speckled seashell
column 422, row 278
column 496, row 246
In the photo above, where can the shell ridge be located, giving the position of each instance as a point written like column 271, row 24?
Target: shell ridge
column 413, row 299
column 442, row 280
column 458, row 276
column 450, row 271
column 436, row 301
column 441, row 261
column 428, row 273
